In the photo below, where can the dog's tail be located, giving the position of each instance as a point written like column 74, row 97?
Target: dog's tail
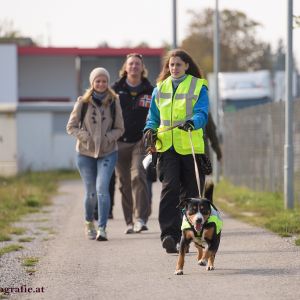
column 209, row 188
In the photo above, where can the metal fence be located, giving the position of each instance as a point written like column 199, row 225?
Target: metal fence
column 253, row 147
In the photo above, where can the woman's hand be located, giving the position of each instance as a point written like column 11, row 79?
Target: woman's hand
column 149, row 138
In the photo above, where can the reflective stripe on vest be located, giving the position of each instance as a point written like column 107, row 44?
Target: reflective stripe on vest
column 175, row 109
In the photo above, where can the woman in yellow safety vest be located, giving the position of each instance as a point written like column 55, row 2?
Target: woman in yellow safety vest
column 179, row 104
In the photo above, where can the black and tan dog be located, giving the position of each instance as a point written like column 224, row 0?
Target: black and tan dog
column 201, row 224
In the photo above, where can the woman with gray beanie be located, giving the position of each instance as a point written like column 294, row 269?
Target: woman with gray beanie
column 97, row 123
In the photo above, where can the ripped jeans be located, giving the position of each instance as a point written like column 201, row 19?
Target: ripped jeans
column 96, row 174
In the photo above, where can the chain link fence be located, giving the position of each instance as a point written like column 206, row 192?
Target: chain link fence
column 253, row 147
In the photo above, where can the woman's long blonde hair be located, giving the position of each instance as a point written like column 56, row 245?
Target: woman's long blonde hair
column 111, row 96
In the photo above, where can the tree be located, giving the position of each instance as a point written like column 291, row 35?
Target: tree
column 279, row 57
column 142, row 45
column 103, row 45
column 240, row 50
column 10, row 35
column 7, row 30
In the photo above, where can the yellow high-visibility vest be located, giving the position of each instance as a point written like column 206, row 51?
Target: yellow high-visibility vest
column 175, row 109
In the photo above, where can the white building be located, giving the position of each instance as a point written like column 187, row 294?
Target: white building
column 38, row 87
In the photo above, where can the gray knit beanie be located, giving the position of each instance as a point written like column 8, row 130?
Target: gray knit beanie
column 97, row 72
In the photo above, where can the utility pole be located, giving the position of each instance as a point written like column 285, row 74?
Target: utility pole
column 174, row 24
column 216, row 83
column 288, row 147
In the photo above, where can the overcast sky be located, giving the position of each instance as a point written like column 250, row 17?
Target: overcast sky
column 66, row 23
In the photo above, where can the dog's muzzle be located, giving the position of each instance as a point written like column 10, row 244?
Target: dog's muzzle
column 198, row 222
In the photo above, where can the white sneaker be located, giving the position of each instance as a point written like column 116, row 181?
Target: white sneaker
column 101, row 234
column 139, row 225
column 90, row 230
column 129, row 229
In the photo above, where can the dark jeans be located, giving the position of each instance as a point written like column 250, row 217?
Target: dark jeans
column 178, row 180
column 112, row 192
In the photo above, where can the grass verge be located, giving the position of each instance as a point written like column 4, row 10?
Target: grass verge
column 30, row 261
column 26, row 193
column 10, row 248
column 263, row 209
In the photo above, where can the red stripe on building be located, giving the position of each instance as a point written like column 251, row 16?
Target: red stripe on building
column 51, row 51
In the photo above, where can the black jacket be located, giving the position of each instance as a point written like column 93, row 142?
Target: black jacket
column 134, row 108
column 212, row 136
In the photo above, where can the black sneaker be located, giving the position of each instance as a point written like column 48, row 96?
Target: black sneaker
column 144, row 228
column 169, row 244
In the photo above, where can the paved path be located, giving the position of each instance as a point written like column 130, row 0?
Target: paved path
column 251, row 263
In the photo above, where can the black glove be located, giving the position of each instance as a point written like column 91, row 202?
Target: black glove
column 150, row 133
column 150, row 136
column 187, row 125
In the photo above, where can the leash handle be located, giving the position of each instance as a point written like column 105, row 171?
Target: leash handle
column 175, row 126
column 195, row 163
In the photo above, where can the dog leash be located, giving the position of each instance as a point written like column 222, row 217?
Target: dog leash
column 175, row 126
column 152, row 142
column 194, row 157
column 195, row 164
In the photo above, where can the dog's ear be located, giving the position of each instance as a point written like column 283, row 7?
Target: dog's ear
column 183, row 202
column 205, row 204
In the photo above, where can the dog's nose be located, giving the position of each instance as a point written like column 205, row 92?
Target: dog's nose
column 199, row 220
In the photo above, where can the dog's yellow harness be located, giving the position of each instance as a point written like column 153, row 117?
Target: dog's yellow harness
column 198, row 239
column 213, row 218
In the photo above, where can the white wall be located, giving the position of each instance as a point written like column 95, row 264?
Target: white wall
column 8, row 140
column 43, row 143
column 279, row 85
column 8, row 74
column 47, row 77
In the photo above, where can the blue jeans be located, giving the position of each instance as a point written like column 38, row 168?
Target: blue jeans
column 96, row 174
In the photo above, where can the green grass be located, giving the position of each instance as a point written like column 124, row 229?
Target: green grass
column 17, row 230
column 4, row 237
column 30, row 271
column 10, row 248
column 259, row 208
column 47, row 229
column 30, row 261
column 27, row 193
column 38, row 220
column 25, row 239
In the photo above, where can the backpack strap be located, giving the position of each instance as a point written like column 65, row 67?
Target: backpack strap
column 83, row 112
column 113, row 112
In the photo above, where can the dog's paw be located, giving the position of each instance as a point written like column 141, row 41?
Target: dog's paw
column 202, row 262
column 178, row 272
column 210, row 268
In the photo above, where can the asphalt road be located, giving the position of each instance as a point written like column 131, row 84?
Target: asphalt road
column 251, row 263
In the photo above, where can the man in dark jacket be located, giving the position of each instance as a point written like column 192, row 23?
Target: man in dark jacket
column 134, row 90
